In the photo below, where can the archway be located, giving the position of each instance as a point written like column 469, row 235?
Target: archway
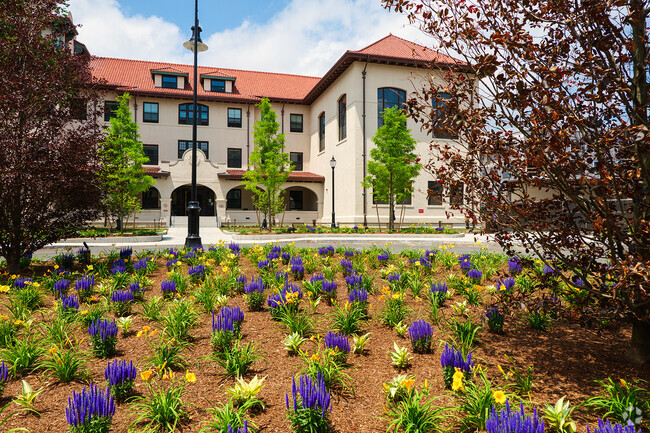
column 181, row 198
column 299, row 198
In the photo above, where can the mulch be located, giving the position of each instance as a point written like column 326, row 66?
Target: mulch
column 566, row 360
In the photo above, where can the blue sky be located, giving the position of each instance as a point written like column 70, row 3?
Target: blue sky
column 301, row 37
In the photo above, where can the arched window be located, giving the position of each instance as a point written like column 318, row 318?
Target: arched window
column 151, row 199
column 186, row 114
column 387, row 97
column 343, row 132
column 321, row 132
column 233, row 199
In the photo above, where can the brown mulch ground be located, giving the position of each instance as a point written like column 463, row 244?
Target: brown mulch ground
column 566, row 360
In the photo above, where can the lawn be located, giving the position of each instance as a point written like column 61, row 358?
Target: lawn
column 365, row 329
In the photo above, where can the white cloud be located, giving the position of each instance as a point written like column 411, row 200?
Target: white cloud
column 306, row 37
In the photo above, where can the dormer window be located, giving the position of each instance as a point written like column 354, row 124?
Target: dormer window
column 169, row 82
column 218, row 86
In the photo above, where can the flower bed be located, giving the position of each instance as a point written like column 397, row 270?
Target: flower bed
column 371, row 335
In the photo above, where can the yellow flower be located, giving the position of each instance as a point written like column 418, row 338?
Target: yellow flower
column 190, row 377
column 501, row 369
column 458, row 375
column 623, row 383
column 168, row 376
column 89, row 267
column 84, row 312
column 146, row 329
column 139, row 334
column 396, row 296
column 477, row 287
column 146, row 375
column 152, row 333
column 408, row 383
column 56, row 266
column 4, row 289
column 314, row 357
column 17, row 322
column 457, row 385
column 52, row 350
column 499, row 396
column 381, row 298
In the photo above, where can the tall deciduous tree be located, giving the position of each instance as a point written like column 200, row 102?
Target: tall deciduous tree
column 123, row 175
column 554, row 142
column 394, row 164
column 270, row 166
column 48, row 161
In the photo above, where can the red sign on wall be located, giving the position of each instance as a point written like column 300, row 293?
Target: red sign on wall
column 420, row 210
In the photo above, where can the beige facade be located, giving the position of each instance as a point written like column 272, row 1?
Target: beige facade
column 172, row 169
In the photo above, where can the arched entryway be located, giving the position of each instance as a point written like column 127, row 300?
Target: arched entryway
column 298, row 198
column 181, row 198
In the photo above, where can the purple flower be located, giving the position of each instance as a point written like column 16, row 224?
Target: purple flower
column 21, row 283
column 281, row 276
column 438, row 288
column 328, row 286
column 88, row 406
column 69, row 302
column 234, row 315
column 222, row 323
column 4, row 374
column 383, row 257
column 349, row 253
column 264, row 264
column 119, row 372
column 420, row 333
column 285, row 258
column 507, row 421
column 85, row 284
column 608, row 427
column 173, row 252
column 125, row 253
column 354, row 281
column 313, row 395
column 514, row 265
column 272, row 256
column 234, row 248
column 326, row 251
column 196, row 271
column 454, row 359
column 168, row 287
column 171, row 262
column 119, row 267
column 393, row 278
column 316, row 277
column 346, row 263
column 255, row 285
column 135, row 288
column 239, row 430
column 548, row 271
column 465, row 265
column 336, row 341
column 298, row 271
column 506, row 284
column 475, row 275
column 60, row 288
column 279, row 299
column 141, row 265
column 241, row 280
column 122, row 296
column 65, row 260
column 358, row 295
column 296, row 260
column 276, row 249
column 103, row 328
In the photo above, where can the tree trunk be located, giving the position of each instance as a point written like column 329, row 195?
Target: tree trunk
column 639, row 352
column 378, row 220
column 13, row 263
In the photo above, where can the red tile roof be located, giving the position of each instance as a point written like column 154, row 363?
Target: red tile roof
column 296, row 176
column 250, row 86
column 156, row 172
column 396, row 47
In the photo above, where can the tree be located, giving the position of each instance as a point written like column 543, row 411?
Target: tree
column 554, row 151
column 122, row 174
column 270, row 166
column 48, row 161
column 394, row 165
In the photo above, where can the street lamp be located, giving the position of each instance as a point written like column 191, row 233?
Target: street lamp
column 333, row 165
column 193, row 210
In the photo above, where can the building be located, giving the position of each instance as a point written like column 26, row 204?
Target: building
column 323, row 117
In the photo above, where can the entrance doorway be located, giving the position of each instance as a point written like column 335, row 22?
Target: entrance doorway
column 181, row 198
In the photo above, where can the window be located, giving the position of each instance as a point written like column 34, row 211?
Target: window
column 186, row 114
column 218, row 86
column 387, row 97
column 456, row 194
column 150, row 112
column 110, row 110
column 343, row 132
column 183, row 145
column 295, row 200
column 321, row 132
column 169, row 82
column 234, row 158
column 434, row 193
column 151, row 152
column 234, row 118
column 295, row 122
column 151, row 199
column 296, row 160
column 233, row 199
column 79, row 109
column 439, row 117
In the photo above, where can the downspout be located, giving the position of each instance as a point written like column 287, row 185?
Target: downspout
column 248, row 137
column 365, row 192
column 282, row 122
column 135, row 109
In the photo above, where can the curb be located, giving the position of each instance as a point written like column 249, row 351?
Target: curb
column 110, row 240
column 324, row 236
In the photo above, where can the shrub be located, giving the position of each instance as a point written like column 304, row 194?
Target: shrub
column 90, row 411
column 254, row 294
column 451, row 360
column 311, row 404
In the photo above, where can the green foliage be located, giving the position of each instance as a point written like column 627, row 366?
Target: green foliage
column 464, row 333
column 245, row 393
column 65, row 364
column 394, row 311
column 227, row 416
column 255, row 301
column 558, row 416
column 22, row 356
column 519, row 379
column 399, row 388
column 27, row 397
column 539, row 319
column 417, row 413
column 333, row 372
column 124, row 323
column 168, row 354
column 269, row 165
column 151, row 310
column 162, row 409
column 298, row 322
column 359, row 343
column 293, row 342
column 400, row 357
column 239, row 359
column 348, row 320
column 180, row 319
column 122, row 159
column 622, row 401
column 476, row 401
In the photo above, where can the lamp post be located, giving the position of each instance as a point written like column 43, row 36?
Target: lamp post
column 193, row 210
column 333, row 165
